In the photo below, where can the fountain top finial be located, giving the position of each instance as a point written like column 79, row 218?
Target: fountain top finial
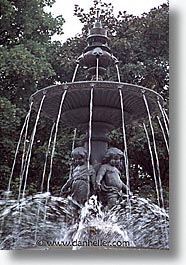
column 97, row 31
column 97, row 50
column 98, row 23
column 97, row 12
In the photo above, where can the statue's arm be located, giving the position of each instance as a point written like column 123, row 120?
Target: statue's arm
column 93, row 178
column 66, row 185
column 124, row 187
column 100, row 175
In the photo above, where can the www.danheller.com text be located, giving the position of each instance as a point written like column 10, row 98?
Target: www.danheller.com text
column 84, row 243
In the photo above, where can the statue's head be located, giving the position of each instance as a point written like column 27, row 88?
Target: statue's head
column 113, row 157
column 79, row 156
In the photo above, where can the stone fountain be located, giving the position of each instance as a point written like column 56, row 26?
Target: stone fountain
column 95, row 107
column 106, row 113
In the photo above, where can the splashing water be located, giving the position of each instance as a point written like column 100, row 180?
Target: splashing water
column 69, row 222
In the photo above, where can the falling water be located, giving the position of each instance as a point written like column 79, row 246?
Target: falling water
column 20, row 208
column 55, row 138
column 126, row 161
column 90, row 137
column 97, row 68
column 31, row 144
column 155, row 150
column 90, row 125
column 125, row 146
column 43, row 177
column 164, row 117
column 24, row 150
column 73, row 146
column 23, row 159
column 23, row 164
column 118, row 74
column 163, row 229
column 46, row 156
column 53, row 150
column 153, row 166
column 15, row 157
column 163, row 132
column 124, row 141
column 124, row 133
column 74, row 139
column 75, row 72
column 17, row 149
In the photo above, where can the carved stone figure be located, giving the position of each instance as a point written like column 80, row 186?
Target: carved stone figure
column 81, row 184
column 108, row 183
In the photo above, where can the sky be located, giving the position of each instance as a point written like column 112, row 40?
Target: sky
column 73, row 26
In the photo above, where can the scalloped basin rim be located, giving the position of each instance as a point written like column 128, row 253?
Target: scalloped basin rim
column 118, row 85
column 106, row 102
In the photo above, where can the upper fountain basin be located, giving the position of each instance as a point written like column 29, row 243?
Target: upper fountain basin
column 106, row 102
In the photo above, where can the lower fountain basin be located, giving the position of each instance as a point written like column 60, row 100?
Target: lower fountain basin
column 106, row 103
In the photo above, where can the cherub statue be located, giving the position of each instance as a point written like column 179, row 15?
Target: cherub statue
column 81, row 184
column 108, row 182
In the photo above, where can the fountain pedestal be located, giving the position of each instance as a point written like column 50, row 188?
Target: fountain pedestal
column 99, row 142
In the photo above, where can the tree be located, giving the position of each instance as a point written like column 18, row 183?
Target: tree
column 25, row 34
column 9, row 120
column 25, row 37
